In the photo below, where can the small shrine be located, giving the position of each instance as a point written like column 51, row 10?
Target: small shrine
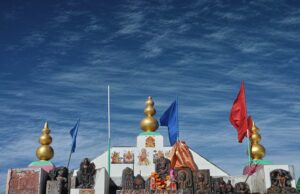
column 150, row 167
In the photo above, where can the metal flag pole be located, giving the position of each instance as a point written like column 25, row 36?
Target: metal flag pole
column 248, row 133
column 77, row 125
column 108, row 123
column 249, row 147
column 177, row 104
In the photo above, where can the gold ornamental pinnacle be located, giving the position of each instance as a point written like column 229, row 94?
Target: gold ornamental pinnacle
column 257, row 150
column 45, row 151
column 149, row 123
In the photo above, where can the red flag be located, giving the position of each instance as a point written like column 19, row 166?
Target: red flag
column 238, row 114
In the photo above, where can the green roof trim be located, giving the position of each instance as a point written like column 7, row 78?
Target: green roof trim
column 149, row 134
column 41, row 163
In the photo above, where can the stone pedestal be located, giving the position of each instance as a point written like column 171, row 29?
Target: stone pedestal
column 82, row 191
column 26, row 180
column 52, row 187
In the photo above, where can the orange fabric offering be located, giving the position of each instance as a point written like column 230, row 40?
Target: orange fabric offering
column 180, row 156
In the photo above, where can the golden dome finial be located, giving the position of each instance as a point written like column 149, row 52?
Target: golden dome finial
column 45, row 151
column 257, row 150
column 149, row 123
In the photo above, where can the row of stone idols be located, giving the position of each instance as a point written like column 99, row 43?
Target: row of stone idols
column 186, row 181
column 61, row 180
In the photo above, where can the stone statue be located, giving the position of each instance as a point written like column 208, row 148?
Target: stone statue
column 229, row 187
column 59, row 181
column 202, row 182
column 222, row 186
column 127, row 179
column 184, row 180
column 281, row 182
column 162, row 166
column 242, row 188
column 215, row 186
column 85, row 175
column 138, row 182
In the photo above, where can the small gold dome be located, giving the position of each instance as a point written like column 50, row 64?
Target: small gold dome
column 149, row 123
column 45, row 139
column 45, row 151
column 257, row 150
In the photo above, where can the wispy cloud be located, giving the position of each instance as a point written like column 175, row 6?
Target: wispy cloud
column 198, row 51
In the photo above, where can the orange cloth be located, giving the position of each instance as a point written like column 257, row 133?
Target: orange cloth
column 180, row 156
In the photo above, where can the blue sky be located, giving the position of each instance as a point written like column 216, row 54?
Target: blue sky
column 57, row 59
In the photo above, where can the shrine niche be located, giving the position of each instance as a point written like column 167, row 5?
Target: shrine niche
column 85, row 175
column 201, row 181
column 184, row 179
column 128, row 157
column 58, row 183
column 150, row 142
column 281, row 182
column 116, row 158
column 242, row 188
column 138, row 182
column 127, row 179
column 143, row 159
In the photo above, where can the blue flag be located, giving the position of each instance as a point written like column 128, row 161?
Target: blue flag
column 170, row 119
column 73, row 133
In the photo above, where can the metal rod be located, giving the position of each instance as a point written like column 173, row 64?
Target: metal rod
column 108, row 123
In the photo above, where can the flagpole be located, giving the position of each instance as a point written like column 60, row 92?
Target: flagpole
column 177, row 101
column 248, row 133
column 249, row 147
column 108, row 123
column 72, row 146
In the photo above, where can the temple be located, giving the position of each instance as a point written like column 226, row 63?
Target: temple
column 150, row 167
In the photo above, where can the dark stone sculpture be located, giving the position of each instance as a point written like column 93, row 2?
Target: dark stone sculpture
column 222, row 186
column 85, row 175
column 138, row 182
column 215, row 185
column 162, row 166
column 242, row 188
column 229, row 187
column 202, row 183
column 184, row 180
column 281, row 182
column 58, row 181
column 127, row 179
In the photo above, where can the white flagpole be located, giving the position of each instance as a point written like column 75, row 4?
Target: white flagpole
column 108, row 123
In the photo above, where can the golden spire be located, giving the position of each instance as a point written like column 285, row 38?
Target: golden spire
column 257, row 150
column 45, row 151
column 149, row 123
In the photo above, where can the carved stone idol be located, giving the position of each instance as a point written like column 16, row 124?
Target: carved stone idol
column 162, row 166
column 242, row 188
column 222, row 186
column 85, row 175
column 59, row 181
column 202, row 182
column 281, row 182
column 229, row 187
column 127, row 179
column 184, row 180
column 215, row 185
column 138, row 182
